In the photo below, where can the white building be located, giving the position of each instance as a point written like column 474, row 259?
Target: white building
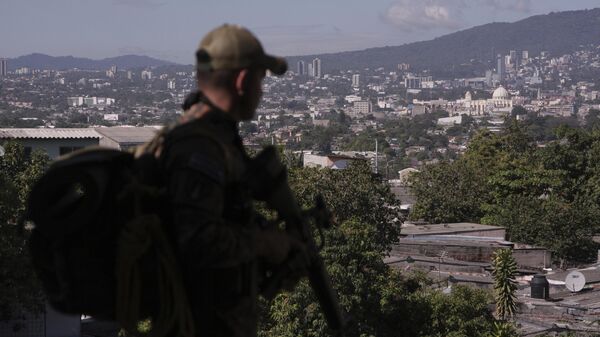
column 449, row 121
column 362, row 107
column 356, row 80
column 146, row 75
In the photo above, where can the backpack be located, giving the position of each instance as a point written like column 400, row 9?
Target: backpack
column 98, row 244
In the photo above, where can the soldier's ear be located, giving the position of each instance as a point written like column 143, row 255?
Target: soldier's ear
column 241, row 81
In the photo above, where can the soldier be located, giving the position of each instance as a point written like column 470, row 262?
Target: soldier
column 215, row 235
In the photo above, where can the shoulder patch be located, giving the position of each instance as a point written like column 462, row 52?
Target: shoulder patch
column 208, row 166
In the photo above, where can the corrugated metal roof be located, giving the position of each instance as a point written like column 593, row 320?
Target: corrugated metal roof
column 49, row 133
column 128, row 135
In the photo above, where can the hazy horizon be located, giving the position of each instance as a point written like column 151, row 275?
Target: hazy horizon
column 112, row 28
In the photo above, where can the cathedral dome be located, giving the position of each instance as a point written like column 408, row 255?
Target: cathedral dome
column 501, row 93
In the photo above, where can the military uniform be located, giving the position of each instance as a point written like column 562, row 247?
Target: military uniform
column 212, row 223
column 211, row 207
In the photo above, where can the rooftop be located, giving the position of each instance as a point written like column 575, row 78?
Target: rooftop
column 48, row 133
column 123, row 134
column 447, row 228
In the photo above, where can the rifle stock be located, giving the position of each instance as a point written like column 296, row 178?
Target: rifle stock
column 298, row 225
column 268, row 171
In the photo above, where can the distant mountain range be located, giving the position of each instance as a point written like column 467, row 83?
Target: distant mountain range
column 557, row 33
column 42, row 61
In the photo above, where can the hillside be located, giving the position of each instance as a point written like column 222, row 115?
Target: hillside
column 557, row 33
column 42, row 61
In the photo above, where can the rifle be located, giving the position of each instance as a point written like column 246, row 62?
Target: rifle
column 297, row 224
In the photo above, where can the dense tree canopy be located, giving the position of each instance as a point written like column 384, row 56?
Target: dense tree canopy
column 545, row 196
column 380, row 301
column 18, row 286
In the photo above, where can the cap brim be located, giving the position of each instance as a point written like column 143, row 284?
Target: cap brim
column 277, row 65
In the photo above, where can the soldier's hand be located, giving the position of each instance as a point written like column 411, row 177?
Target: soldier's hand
column 275, row 247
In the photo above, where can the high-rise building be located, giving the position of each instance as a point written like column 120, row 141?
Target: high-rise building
column 310, row 71
column 356, row 80
column 129, row 75
column 3, row 67
column 525, row 55
column 488, row 78
column 501, row 67
column 146, row 75
column 513, row 57
column 301, row 68
column 171, row 84
column 316, row 67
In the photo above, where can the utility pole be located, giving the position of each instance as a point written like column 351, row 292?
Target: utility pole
column 376, row 158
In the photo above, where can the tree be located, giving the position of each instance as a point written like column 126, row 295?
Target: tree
column 448, row 192
column 462, row 313
column 19, row 290
column 546, row 196
column 504, row 329
column 518, row 110
column 504, row 269
column 352, row 193
column 380, row 301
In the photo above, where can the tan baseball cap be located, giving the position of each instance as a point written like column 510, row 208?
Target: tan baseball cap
column 234, row 47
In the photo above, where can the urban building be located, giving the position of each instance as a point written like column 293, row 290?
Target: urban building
column 146, row 75
column 356, row 80
column 501, row 68
column 60, row 141
column 301, row 70
column 54, row 142
column 403, row 66
column 362, row 107
column 3, row 67
column 316, row 65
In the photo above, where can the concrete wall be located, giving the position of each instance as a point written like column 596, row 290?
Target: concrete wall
column 532, row 257
column 52, row 146
column 471, row 253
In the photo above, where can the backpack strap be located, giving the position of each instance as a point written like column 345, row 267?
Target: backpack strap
column 172, row 138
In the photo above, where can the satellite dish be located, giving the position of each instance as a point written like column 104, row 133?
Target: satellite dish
column 575, row 281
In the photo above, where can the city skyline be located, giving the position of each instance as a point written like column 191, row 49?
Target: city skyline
column 163, row 30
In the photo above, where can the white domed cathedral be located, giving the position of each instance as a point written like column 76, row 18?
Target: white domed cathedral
column 501, row 102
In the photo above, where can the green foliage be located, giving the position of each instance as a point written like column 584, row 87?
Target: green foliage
column 463, row 313
column 19, row 290
column 504, row 272
column 458, row 200
column 353, row 193
column 504, row 329
column 379, row 300
column 546, row 196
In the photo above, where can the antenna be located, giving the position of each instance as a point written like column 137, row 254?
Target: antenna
column 575, row 281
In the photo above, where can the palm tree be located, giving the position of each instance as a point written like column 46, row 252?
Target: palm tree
column 504, row 271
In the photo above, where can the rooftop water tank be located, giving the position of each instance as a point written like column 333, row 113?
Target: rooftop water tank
column 540, row 288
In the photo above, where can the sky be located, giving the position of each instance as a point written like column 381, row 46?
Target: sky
column 172, row 29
